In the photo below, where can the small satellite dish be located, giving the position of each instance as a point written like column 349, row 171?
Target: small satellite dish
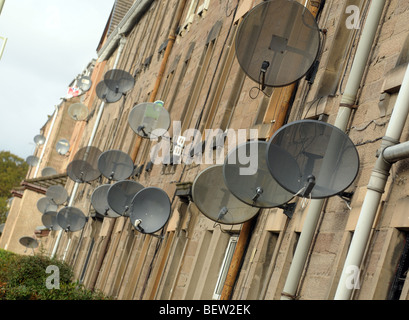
column 48, row 171
column 277, row 42
column 78, row 111
column 45, row 204
column 251, row 181
column 216, row 202
column 62, row 147
column 106, row 94
column 49, row 219
column 57, row 194
column 120, row 195
column 71, row 219
column 84, row 83
column 312, row 159
column 115, row 165
column 119, row 80
column 149, row 120
column 32, row 161
column 84, row 167
column 39, row 139
column 28, row 242
column 150, row 210
column 99, row 201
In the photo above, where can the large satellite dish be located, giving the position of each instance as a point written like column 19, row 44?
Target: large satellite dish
column 277, row 42
column 84, row 167
column 78, row 111
column 120, row 195
column 215, row 201
column 119, row 80
column 99, row 201
column 71, row 219
column 32, row 161
column 149, row 120
column 150, row 210
column 312, row 159
column 28, row 242
column 48, row 171
column 115, row 165
column 57, row 194
column 45, row 204
column 84, row 83
column 106, row 94
column 247, row 177
column 49, row 219
column 39, row 139
column 62, row 147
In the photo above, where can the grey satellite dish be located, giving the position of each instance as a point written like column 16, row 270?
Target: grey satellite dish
column 78, row 111
column 216, row 202
column 32, row 161
column 46, row 204
column 247, row 177
column 84, row 167
column 115, row 165
column 119, row 80
column 71, row 219
column 48, row 171
column 277, row 42
column 312, row 159
column 106, row 94
column 28, row 242
column 120, row 195
column 84, row 83
column 49, row 220
column 62, row 146
column 149, row 120
column 99, row 201
column 57, row 194
column 39, row 139
column 150, row 210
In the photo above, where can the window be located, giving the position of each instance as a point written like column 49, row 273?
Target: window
column 196, row 7
column 225, row 267
column 401, row 272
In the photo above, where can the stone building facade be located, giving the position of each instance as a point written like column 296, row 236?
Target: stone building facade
column 183, row 53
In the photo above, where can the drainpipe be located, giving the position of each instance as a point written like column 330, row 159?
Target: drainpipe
column 47, row 139
column 91, row 140
column 347, row 103
column 376, row 187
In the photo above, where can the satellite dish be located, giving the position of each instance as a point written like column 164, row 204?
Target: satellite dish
column 57, row 194
column 150, row 210
column 49, row 220
column 216, row 202
column 115, row 165
column 28, row 242
column 119, row 80
column 48, row 171
column 32, row 161
column 78, row 111
column 62, row 147
column 251, row 182
column 120, row 195
column 106, row 94
column 39, row 139
column 84, row 167
column 100, row 202
column 312, row 159
column 277, row 42
column 84, row 83
column 46, row 204
column 149, row 120
column 71, row 219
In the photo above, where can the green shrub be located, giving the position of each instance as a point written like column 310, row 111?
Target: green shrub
column 24, row 278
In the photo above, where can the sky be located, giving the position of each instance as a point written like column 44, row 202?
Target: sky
column 49, row 43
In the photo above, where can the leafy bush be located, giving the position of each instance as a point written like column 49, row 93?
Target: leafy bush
column 24, row 278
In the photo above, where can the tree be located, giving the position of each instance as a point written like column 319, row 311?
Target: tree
column 13, row 170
